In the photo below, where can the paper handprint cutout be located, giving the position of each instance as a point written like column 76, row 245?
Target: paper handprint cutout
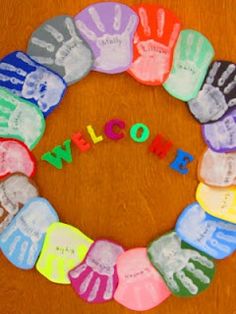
column 220, row 136
column 15, row 157
column 218, row 93
column 192, row 56
column 21, row 242
column 20, row 119
column 95, row 279
column 186, row 271
column 57, row 44
column 64, row 247
column 140, row 286
column 28, row 79
column 154, row 44
column 206, row 233
column 217, row 169
column 218, row 202
column 109, row 27
column 15, row 192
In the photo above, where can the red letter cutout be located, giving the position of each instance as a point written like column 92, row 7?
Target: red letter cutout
column 160, row 146
column 80, row 142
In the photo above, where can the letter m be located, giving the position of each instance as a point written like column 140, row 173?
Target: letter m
column 160, row 146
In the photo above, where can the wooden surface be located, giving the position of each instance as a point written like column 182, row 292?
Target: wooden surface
column 117, row 190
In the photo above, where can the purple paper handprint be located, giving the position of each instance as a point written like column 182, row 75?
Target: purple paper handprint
column 220, row 136
column 108, row 28
column 96, row 279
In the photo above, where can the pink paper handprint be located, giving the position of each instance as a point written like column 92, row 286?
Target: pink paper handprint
column 95, row 279
column 108, row 28
column 154, row 44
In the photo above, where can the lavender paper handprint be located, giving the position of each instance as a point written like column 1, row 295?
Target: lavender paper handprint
column 109, row 28
column 220, row 136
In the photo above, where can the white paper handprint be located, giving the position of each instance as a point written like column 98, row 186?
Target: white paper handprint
column 15, row 191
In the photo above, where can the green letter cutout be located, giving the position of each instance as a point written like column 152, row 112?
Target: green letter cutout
column 58, row 154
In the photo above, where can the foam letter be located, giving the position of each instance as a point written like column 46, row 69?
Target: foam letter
column 109, row 129
column 181, row 161
column 160, row 146
column 80, row 142
column 96, row 139
column 58, row 154
column 134, row 132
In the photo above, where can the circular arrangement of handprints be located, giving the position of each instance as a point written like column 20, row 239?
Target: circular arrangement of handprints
column 148, row 43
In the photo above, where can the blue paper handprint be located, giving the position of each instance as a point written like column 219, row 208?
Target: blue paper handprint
column 211, row 235
column 26, row 78
column 22, row 241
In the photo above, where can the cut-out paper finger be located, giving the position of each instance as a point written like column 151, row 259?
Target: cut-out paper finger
column 217, row 169
column 186, row 270
column 20, row 119
column 218, row 93
column 140, row 286
column 15, row 192
column 192, row 56
column 206, row 233
column 58, row 45
column 154, row 44
column 220, row 136
column 95, row 279
column 15, row 157
column 64, row 248
column 28, row 79
column 218, row 202
column 22, row 241
column 109, row 27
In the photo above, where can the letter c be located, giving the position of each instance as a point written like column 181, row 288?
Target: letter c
column 109, row 129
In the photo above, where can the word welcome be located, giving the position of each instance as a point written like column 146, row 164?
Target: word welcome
column 114, row 130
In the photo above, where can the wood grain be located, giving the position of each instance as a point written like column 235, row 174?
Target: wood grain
column 117, row 190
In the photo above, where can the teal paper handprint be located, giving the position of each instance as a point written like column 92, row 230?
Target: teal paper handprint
column 192, row 56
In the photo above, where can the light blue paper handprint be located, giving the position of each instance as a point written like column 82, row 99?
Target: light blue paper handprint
column 211, row 235
column 22, row 241
column 28, row 79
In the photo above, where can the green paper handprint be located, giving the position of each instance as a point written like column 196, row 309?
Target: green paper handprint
column 20, row 119
column 192, row 56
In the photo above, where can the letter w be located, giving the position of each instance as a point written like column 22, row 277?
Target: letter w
column 58, row 154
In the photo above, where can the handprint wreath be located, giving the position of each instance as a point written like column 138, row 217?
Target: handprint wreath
column 102, row 37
